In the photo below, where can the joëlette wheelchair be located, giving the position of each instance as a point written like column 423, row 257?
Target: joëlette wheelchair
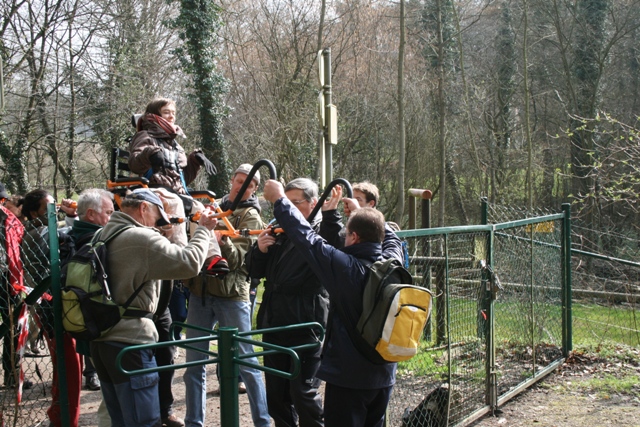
column 121, row 180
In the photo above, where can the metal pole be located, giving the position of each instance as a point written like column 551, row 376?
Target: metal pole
column 412, row 213
column 425, row 196
column 57, row 315
column 328, row 150
column 227, row 352
column 567, row 331
column 484, row 219
column 492, row 379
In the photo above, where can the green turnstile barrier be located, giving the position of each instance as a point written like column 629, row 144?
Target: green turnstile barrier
column 229, row 359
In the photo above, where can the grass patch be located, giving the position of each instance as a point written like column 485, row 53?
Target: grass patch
column 605, row 386
column 594, row 324
column 611, row 384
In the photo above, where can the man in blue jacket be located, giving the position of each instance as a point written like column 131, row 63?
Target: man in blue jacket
column 357, row 391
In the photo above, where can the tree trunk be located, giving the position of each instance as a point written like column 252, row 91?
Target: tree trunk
column 401, row 128
column 442, row 194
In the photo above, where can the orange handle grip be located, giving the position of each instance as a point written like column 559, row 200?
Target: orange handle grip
column 72, row 205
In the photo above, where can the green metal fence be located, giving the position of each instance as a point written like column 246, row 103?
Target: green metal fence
column 497, row 324
column 504, row 315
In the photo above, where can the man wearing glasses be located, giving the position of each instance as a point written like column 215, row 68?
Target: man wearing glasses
column 293, row 294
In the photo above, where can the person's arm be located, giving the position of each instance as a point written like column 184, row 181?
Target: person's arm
column 256, row 261
column 331, row 224
column 171, row 261
column 327, row 262
column 392, row 245
column 192, row 168
column 141, row 148
column 330, row 228
column 235, row 249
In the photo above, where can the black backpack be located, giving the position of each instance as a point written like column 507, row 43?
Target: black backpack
column 88, row 309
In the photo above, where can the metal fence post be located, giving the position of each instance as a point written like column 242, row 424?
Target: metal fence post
column 228, row 352
column 54, row 257
column 425, row 222
column 484, row 218
column 491, row 343
column 567, row 332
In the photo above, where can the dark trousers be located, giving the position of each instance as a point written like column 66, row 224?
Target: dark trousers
column 178, row 306
column 294, row 401
column 89, row 370
column 164, row 357
column 348, row 407
column 6, row 300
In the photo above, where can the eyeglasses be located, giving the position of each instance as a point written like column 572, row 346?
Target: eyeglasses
column 298, row 202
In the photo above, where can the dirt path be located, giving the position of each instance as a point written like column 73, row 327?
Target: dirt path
column 585, row 392
column 570, row 397
column 91, row 400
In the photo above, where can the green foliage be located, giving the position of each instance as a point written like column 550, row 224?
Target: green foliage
column 199, row 24
column 427, row 22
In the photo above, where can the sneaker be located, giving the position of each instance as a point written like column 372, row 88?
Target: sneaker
column 218, row 267
column 242, row 389
column 172, row 421
column 92, row 382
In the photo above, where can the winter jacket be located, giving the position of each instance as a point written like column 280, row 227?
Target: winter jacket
column 142, row 256
column 11, row 239
column 343, row 274
column 235, row 286
column 292, row 290
column 152, row 139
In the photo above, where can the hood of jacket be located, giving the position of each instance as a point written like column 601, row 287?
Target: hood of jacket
column 251, row 202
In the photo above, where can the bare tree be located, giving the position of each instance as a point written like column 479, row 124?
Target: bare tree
column 401, row 127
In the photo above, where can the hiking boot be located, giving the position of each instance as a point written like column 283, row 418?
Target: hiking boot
column 218, row 267
column 92, row 382
column 172, row 421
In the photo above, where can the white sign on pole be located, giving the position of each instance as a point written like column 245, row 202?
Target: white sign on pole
column 320, row 69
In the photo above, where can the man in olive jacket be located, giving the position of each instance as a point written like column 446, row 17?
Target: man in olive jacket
column 140, row 256
column 226, row 301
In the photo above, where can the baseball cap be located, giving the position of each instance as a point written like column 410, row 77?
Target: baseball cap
column 151, row 197
column 3, row 192
column 245, row 168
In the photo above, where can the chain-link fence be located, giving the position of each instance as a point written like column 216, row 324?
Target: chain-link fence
column 496, row 323
column 606, row 288
column 605, row 278
column 26, row 363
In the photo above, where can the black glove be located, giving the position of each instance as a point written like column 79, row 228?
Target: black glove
column 157, row 161
column 206, row 163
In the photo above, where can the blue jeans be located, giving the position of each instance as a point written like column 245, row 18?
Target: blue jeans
column 131, row 401
column 227, row 313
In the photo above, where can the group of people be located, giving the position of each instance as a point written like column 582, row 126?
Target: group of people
column 314, row 261
column 25, row 264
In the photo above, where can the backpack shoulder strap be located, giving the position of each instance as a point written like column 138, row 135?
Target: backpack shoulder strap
column 96, row 237
column 113, row 235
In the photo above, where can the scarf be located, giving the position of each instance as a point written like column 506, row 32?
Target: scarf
column 170, row 129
